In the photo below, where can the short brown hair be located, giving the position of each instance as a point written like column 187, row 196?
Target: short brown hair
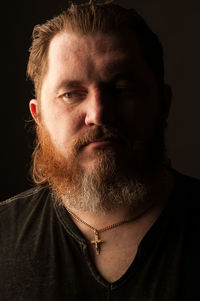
column 91, row 18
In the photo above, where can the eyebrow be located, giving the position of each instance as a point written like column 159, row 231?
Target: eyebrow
column 124, row 75
column 113, row 77
column 69, row 84
column 114, row 71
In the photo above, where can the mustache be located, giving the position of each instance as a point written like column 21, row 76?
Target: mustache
column 99, row 132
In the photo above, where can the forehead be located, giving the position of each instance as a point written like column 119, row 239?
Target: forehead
column 97, row 43
column 93, row 56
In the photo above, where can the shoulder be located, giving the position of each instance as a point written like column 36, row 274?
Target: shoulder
column 185, row 201
column 28, row 194
column 23, row 204
column 21, row 218
column 186, row 186
column 33, row 193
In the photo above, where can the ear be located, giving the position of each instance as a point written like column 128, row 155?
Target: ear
column 33, row 106
column 167, row 99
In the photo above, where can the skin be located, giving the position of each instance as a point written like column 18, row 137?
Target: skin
column 103, row 96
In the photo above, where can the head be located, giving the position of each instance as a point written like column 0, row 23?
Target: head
column 101, row 106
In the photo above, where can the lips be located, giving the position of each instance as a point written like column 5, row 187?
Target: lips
column 100, row 143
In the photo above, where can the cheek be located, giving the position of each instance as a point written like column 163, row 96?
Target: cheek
column 61, row 125
column 138, row 119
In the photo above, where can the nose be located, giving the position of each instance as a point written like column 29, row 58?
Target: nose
column 99, row 109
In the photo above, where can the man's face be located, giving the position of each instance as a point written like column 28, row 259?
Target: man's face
column 99, row 95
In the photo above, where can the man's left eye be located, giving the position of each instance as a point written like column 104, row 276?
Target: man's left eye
column 126, row 89
column 125, row 85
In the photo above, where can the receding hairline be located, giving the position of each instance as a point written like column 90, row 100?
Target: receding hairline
column 91, row 18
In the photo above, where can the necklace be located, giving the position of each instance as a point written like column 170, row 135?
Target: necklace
column 97, row 241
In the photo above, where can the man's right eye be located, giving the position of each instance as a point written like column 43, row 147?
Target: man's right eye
column 73, row 96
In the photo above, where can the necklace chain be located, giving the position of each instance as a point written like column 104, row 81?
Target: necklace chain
column 97, row 241
column 102, row 229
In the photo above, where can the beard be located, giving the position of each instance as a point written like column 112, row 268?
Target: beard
column 118, row 177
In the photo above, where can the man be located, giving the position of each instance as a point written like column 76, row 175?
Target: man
column 108, row 218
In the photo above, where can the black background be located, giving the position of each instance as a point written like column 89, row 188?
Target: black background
column 176, row 22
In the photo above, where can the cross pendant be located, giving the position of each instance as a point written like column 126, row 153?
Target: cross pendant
column 97, row 242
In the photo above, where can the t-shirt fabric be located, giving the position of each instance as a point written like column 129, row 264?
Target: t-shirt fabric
column 44, row 256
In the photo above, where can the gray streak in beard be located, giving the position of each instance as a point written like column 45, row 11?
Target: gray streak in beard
column 103, row 188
